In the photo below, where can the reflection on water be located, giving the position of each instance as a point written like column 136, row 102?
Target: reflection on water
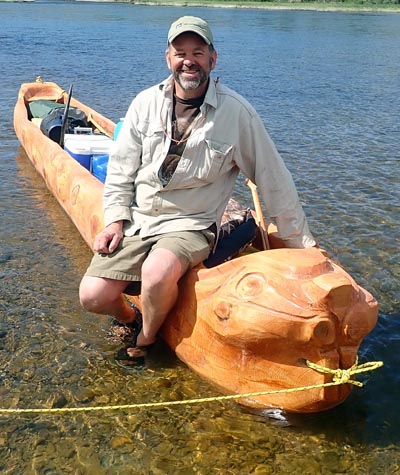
column 324, row 84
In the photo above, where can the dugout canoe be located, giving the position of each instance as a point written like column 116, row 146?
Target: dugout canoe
column 255, row 325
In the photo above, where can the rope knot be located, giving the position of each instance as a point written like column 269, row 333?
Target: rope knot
column 344, row 376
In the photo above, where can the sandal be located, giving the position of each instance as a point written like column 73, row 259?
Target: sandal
column 133, row 355
column 123, row 332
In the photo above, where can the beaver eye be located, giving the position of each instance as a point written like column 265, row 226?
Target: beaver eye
column 250, row 285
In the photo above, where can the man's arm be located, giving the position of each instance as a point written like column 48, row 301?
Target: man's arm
column 262, row 164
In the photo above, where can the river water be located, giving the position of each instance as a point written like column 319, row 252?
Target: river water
column 327, row 87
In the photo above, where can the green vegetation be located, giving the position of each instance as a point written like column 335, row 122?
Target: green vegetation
column 367, row 3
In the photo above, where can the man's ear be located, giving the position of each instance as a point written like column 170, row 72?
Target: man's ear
column 214, row 59
column 167, row 59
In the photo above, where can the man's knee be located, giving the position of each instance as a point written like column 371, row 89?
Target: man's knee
column 161, row 268
column 96, row 292
column 87, row 293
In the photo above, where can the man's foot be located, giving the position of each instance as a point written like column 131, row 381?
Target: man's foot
column 121, row 332
column 133, row 354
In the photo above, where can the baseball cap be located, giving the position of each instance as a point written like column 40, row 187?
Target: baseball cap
column 190, row 24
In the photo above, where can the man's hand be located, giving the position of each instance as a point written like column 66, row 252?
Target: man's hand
column 107, row 241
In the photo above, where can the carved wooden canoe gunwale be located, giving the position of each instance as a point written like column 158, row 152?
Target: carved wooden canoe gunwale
column 247, row 325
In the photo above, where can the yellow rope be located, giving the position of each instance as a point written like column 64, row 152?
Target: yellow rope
column 340, row 376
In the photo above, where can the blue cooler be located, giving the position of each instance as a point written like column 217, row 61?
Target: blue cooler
column 99, row 166
column 79, row 150
column 118, row 128
column 83, row 147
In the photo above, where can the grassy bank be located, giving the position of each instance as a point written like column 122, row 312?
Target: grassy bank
column 277, row 5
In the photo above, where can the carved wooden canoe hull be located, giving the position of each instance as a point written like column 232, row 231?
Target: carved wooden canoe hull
column 248, row 325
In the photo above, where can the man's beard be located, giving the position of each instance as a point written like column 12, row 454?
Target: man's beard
column 191, row 84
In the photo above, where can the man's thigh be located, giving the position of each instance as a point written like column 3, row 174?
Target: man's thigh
column 125, row 263
column 191, row 247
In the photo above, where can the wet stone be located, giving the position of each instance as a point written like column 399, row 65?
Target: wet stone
column 88, row 457
column 122, row 442
column 59, row 401
column 103, row 399
column 262, row 469
column 85, row 395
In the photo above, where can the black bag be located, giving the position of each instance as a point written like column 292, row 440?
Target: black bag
column 51, row 125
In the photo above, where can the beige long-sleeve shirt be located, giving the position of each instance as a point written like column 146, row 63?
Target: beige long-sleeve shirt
column 228, row 136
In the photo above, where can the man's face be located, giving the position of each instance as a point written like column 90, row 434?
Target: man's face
column 190, row 60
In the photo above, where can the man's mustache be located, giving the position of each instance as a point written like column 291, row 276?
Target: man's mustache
column 193, row 67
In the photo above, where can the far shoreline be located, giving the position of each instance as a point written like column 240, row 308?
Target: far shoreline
column 317, row 6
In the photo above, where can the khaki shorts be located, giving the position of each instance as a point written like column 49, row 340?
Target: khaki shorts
column 125, row 263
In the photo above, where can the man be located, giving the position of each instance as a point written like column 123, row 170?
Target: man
column 169, row 179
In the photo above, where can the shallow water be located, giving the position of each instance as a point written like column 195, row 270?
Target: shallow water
column 326, row 85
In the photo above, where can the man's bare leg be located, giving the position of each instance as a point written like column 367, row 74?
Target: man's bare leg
column 161, row 272
column 104, row 296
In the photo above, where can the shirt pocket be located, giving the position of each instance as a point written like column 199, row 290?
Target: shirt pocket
column 152, row 136
column 217, row 160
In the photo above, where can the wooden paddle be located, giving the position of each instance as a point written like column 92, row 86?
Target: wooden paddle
column 91, row 119
column 259, row 214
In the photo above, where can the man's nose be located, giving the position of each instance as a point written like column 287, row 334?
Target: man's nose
column 188, row 62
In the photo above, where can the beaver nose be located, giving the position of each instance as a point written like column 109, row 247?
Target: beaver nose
column 323, row 332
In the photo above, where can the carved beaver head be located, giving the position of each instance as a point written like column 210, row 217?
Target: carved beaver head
column 250, row 324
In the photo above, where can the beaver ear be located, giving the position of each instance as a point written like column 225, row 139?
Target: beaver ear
column 223, row 310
